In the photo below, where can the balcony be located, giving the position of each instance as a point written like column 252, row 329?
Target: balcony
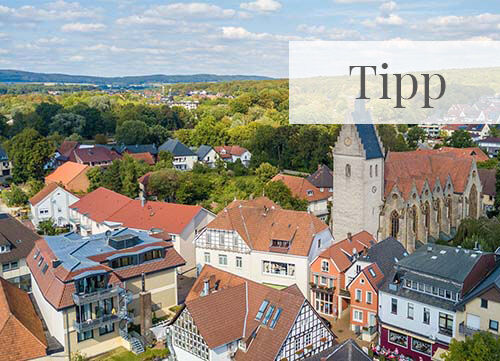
column 467, row 331
column 83, row 298
column 74, row 220
column 96, row 322
column 445, row 331
column 324, row 288
column 87, row 227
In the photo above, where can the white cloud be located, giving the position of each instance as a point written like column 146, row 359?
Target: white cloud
column 329, row 33
column 83, row 28
column 52, row 40
column 190, row 10
column 485, row 21
column 116, row 49
column 53, row 11
column 76, row 58
column 262, row 5
column 388, row 7
column 391, row 19
column 240, row 33
column 355, row 1
column 144, row 20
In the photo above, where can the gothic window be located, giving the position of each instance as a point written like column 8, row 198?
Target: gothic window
column 450, row 211
column 348, row 170
column 438, row 212
column 473, row 202
column 427, row 215
column 415, row 220
column 394, row 224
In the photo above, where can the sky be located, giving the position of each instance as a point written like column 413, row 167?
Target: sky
column 140, row 37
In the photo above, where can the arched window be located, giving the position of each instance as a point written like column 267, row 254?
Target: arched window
column 415, row 220
column 371, row 171
column 427, row 210
column 394, row 224
column 473, row 202
column 376, row 170
column 438, row 213
column 348, row 170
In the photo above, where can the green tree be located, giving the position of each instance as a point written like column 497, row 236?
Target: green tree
column 129, row 176
column 14, row 197
column 67, row 124
column 165, row 160
column 391, row 140
column 132, row 132
column 164, row 184
column 95, row 177
column 482, row 346
column 29, row 152
column 158, row 134
column 34, row 186
column 281, row 194
column 100, row 139
column 194, row 188
column 460, row 139
column 46, row 111
column 266, row 171
column 4, row 127
column 415, row 136
column 47, row 227
column 111, row 178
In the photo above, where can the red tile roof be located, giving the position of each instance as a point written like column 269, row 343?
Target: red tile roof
column 70, row 173
column 105, row 205
column 341, row 252
column 145, row 157
column 21, row 331
column 95, row 154
column 226, row 150
column 45, row 192
column 258, row 225
column 405, row 169
column 376, row 280
column 302, row 188
column 100, row 204
column 229, row 313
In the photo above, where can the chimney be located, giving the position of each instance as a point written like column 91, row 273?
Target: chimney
column 349, row 236
column 206, row 287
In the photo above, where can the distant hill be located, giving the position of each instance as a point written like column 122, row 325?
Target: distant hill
column 18, row 76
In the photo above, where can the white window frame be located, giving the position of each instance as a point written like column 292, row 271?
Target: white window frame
column 360, row 298
column 224, row 257
column 357, row 313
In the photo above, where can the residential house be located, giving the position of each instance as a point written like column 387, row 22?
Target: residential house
column 231, row 153
column 21, row 331
column 184, row 158
column 231, row 317
column 259, row 240
column 52, row 202
column 207, row 155
column 432, row 130
column 16, row 242
column 479, row 310
column 348, row 350
column 488, row 179
column 329, row 294
column 417, row 302
column 317, row 198
column 89, row 289
column 103, row 210
column 72, row 176
column 143, row 157
column 96, row 155
column 491, row 144
column 322, row 178
column 5, row 164
column 139, row 149
column 65, row 152
column 364, row 277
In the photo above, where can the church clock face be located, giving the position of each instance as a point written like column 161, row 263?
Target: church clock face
column 374, row 189
column 347, row 141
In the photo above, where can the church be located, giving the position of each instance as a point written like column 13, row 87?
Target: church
column 415, row 197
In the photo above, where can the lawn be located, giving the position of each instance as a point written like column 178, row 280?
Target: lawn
column 121, row 354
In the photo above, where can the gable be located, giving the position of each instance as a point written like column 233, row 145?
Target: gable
column 308, row 329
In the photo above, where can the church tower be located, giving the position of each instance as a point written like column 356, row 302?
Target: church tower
column 358, row 176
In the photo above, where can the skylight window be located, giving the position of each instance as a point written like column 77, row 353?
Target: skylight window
column 372, row 272
column 268, row 315
column 40, row 261
column 36, row 254
column 45, row 267
column 262, row 308
column 275, row 318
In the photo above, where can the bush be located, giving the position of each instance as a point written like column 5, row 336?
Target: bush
column 15, row 197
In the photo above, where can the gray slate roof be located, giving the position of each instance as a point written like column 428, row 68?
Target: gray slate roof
column 385, row 254
column 175, row 147
column 493, row 280
column 17, row 236
column 139, row 148
column 366, row 130
column 346, row 351
column 322, row 178
column 203, row 151
column 441, row 261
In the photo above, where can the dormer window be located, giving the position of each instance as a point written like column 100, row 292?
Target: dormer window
column 325, row 267
column 280, row 243
column 309, row 193
column 5, row 248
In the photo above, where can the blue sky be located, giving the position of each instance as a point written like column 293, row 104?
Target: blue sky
column 133, row 37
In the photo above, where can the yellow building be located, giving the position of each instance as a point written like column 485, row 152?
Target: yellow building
column 90, row 289
column 480, row 308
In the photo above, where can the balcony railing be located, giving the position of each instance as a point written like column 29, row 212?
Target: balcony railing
column 370, row 330
column 465, row 330
column 445, row 331
column 74, row 220
column 83, row 298
column 88, row 325
column 320, row 287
